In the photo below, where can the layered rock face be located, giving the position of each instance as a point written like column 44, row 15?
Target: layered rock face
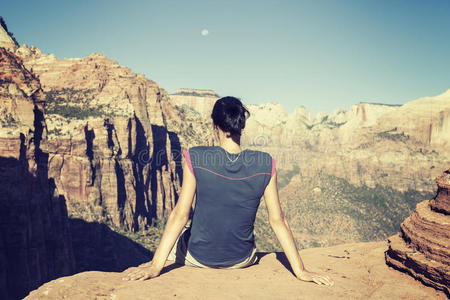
column 368, row 145
column 422, row 248
column 115, row 141
column 35, row 243
column 427, row 120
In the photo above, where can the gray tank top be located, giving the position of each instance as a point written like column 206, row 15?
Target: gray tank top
column 229, row 190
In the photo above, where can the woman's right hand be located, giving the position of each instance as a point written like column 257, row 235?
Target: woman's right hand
column 143, row 272
column 317, row 278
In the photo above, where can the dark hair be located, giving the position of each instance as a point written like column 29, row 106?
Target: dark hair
column 230, row 114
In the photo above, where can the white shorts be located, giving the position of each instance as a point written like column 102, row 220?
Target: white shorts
column 181, row 255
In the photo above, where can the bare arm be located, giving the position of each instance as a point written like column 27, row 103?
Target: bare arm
column 175, row 223
column 283, row 232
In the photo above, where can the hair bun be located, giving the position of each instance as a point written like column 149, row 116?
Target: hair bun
column 230, row 114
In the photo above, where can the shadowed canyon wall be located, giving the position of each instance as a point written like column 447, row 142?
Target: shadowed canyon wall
column 35, row 243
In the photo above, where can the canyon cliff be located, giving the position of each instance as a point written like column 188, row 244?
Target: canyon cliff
column 35, row 243
column 39, row 241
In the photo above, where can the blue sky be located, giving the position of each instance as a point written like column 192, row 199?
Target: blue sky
column 319, row 54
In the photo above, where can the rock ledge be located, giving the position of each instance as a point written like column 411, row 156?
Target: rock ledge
column 357, row 269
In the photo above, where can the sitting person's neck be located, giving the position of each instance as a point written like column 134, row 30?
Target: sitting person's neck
column 231, row 143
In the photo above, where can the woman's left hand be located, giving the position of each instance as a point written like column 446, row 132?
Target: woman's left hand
column 143, row 272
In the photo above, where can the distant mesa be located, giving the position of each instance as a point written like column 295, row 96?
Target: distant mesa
column 201, row 101
column 422, row 248
column 196, row 93
column 377, row 103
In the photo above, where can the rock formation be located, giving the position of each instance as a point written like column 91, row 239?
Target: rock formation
column 422, row 248
column 35, row 243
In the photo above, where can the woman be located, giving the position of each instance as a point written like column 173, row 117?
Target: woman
column 229, row 183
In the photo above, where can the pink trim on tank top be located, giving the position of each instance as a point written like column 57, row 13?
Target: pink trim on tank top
column 231, row 178
column 273, row 167
column 187, row 156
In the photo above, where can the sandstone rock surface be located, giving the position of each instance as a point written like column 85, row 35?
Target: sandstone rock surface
column 422, row 248
column 358, row 270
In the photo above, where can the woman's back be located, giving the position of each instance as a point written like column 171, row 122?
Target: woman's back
column 229, row 189
column 229, row 184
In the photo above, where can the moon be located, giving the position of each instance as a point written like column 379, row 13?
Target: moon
column 204, row 32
